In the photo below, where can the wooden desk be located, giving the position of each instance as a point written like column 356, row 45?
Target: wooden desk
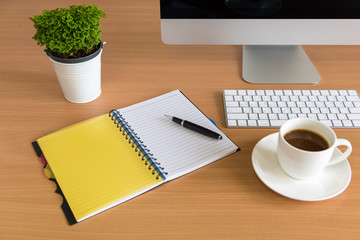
column 225, row 200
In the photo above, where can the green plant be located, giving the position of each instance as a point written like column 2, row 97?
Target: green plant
column 69, row 32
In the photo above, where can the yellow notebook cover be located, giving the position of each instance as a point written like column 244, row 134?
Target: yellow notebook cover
column 95, row 166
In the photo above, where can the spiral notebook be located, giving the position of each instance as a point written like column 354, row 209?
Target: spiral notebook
column 109, row 159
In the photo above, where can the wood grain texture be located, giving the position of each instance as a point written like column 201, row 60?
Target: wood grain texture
column 224, row 200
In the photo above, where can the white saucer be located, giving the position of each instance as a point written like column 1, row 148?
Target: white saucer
column 330, row 183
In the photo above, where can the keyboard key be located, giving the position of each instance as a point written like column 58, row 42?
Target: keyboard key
column 352, row 98
column 337, row 123
column 232, row 104
column 247, row 110
column 242, row 92
column 316, row 92
column 356, row 123
column 247, row 98
column 324, row 110
column 344, row 110
column 297, row 92
column 329, row 104
column 294, row 99
column 352, row 93
column 341, row 98
column 313, row 116
column 314, row 110
column 269, row 92
column 229, row 98
column 347, row 123
column 334, row 110
column 260, row 92
column 306, row 92
column 256, row 110
column 288, row 92
column 331, row 98
column 292, row 115
column 282, row 104
column 343, row 92
column 303, row 98
column 339, row 104
column 253, row 104
column 266, row 98
column 263, row 104
column 277, row 123
column 257, row 98
column 266, row 110
column 285, row 98
column 263, row 123
column 251, row 92
column 263, row 116
column 291, row 104
column 324, row 92
column 331, row 116
column 354, row 110
column 283, row 116
column 301, row 104
column 353, row 116
column 237, row 116
column 327, row 122
column 334, row 92
column 322, row 98
column 234, row 110
column 272, row 104
column 295, row 110
column 252, row 123
column 231, row 123
column 322, row 116
column 237, row 98
column 341, row 116
column 253, row 116
column 278, row 92
column 242, row 123
column 275, row 98
column 348, row 104
column 305, row 110
column 230, row 92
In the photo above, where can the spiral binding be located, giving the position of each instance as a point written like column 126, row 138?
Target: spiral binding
column 138, row 144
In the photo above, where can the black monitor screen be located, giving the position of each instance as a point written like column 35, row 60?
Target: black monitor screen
column 269, row 9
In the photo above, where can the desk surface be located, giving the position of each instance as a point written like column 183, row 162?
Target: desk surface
column 225, row 200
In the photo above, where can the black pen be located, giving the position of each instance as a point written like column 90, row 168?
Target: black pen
column 195, row 127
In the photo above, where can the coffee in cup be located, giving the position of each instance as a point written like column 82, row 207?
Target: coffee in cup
column 306, row 140
column 306, row 147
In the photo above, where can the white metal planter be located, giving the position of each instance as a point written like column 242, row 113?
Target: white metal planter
column 79, row 78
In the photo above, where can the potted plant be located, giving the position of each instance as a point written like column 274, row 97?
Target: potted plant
column 72, row 40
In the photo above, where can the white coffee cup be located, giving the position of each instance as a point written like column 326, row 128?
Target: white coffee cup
column 302, row 164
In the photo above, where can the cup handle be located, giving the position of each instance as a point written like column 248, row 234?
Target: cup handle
column 342, row 156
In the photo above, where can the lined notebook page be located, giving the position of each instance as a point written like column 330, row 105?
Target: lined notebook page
column 95, row 166
column 179, row 150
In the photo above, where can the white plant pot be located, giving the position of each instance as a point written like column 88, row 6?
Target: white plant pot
column 80, row 78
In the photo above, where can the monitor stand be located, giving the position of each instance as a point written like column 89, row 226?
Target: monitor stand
column 278, row 64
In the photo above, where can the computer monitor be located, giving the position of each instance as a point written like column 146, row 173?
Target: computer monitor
column 271, row 32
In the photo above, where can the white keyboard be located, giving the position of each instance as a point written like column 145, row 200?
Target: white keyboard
column 271, row 108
